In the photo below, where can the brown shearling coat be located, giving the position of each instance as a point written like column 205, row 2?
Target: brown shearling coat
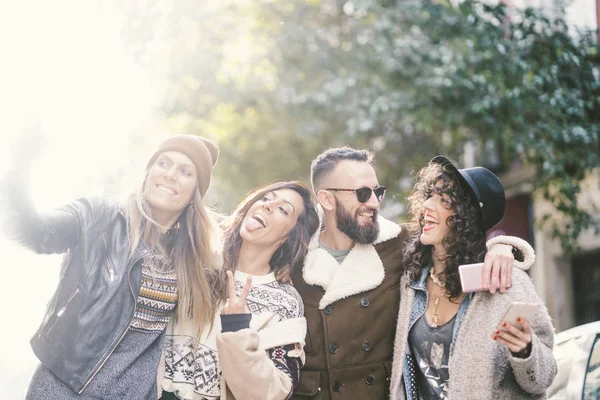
column 351, row 312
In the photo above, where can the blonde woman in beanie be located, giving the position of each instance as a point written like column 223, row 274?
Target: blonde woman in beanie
column 455, row 345
column 254, row 349
column 127, row 271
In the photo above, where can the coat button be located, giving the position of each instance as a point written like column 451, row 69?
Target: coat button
column 337, row 386
column 333, row 348
column 327, row 310
column 364, row 302
column 370, row 379
column 366, row 345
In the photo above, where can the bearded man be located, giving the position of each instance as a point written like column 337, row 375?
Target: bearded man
column 350, row 281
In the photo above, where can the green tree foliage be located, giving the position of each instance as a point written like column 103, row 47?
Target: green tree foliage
column 276, row 82
column 531, row 86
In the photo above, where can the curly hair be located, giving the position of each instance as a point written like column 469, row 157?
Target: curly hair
column 291, row 253
column 465, row 241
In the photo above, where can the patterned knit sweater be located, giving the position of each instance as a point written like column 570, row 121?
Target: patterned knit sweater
column 157, row 300
column 191, row 369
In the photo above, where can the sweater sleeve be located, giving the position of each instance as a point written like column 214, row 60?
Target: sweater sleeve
column 272, row 373
column 235, row 322
column 527, row 255
column 288, row 365
column 536, row 372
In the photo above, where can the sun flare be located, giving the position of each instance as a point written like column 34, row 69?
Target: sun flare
column 65, row 65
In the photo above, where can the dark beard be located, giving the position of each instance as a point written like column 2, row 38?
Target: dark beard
column 347, row 223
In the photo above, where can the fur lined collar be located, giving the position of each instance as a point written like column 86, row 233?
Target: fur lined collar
column 361, row 270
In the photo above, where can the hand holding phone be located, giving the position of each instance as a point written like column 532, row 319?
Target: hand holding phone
column 516, row 334
column 517, row 310
column 470, row 277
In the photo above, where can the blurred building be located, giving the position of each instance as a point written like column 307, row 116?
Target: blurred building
column 568, row 284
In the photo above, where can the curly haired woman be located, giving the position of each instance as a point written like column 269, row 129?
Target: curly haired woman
column 447, row 344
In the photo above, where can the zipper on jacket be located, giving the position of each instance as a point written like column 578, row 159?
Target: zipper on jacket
column 124, row 332
column 60, row 312
column 111, row 270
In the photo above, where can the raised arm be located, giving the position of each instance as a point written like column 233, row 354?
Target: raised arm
column 499, row 261
column 53, row 232
column 273, row 372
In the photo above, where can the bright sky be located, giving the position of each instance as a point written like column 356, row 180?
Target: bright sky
column 65, row 62
column 580, row 13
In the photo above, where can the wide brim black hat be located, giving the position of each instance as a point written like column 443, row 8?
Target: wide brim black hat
column 483, row 186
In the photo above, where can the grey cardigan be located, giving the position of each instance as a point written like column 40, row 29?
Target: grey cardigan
column 479, row 366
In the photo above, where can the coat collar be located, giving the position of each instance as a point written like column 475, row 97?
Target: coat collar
column 361, row 270
column 421, row 284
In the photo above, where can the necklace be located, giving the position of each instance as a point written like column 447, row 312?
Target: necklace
column 436, row 280
column 436, row 300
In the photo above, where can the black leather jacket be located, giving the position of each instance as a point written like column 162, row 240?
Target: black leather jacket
column 94, row 303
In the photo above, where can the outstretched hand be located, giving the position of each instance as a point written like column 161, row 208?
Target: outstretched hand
column 29, row 145
column 235, row 304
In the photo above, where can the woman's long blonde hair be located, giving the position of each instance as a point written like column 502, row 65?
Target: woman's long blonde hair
column 195, row 252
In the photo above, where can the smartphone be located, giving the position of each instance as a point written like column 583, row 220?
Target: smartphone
column 470, row 277
column 517, row 309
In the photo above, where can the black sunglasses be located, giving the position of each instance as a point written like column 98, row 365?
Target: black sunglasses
column 363, row 194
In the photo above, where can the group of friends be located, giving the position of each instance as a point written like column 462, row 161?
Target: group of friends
column 302, row 292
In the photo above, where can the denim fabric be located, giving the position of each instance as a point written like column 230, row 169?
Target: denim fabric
column 418, row 309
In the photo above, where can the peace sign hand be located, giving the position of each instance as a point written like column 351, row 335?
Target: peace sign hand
column 235, row 304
